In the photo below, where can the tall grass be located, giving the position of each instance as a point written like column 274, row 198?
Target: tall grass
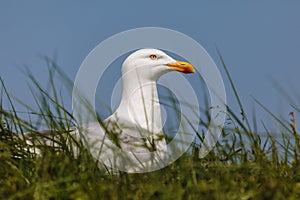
column 243, row 164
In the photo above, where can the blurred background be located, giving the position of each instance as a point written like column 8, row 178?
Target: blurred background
column 259, row 41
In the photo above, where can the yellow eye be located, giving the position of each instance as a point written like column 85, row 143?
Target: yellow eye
column 153, row 57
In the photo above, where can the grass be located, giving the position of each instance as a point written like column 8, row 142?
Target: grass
column 243, row 165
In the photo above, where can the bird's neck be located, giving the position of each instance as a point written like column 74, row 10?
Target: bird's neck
column 140, row 104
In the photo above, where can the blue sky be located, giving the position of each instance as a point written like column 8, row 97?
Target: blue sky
column 259, row 40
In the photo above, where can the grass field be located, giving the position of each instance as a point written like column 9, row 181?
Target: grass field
column 243, row 165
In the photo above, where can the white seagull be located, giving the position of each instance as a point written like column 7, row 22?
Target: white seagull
column 132, row 138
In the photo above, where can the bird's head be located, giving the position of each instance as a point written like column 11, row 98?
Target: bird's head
column 150, row 64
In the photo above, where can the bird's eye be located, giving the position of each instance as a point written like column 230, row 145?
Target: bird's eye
column 153, row 57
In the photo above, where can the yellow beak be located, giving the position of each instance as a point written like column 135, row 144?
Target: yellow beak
column 181, row 66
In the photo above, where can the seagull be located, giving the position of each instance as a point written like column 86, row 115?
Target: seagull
column 126, row 139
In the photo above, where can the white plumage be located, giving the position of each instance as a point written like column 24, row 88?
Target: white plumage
column 136, row 125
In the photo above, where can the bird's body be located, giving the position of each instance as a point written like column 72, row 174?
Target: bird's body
column 135, row 129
